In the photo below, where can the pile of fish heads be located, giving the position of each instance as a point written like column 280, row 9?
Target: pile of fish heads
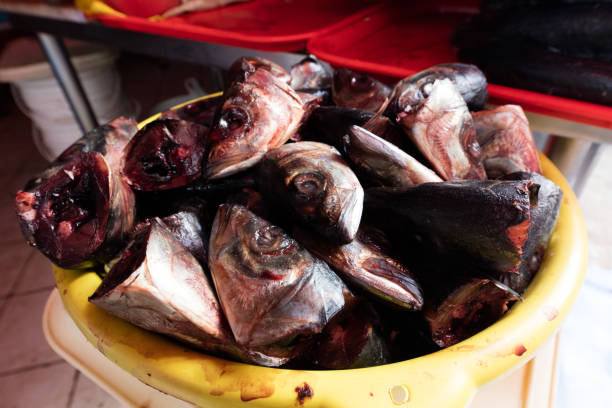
column 316, row 218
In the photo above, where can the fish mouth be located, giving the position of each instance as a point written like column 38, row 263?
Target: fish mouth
column 350, row 216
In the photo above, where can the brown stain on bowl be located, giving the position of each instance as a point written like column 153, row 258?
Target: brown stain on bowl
column 304, row 392
column 464, row 347
column 225, row 376
column 519, row 350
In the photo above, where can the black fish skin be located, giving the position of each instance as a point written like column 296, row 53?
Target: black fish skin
column 329, row 124
column 577, row 30
column 482, row 224
column 545, row 72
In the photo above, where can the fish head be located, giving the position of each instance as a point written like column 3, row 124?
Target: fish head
column 310, row 73
column 319, row 186
column 409, row 93
column 256, row 248
column 258, row 114
column 66, row 217
column 357, row 90
column 243, row 67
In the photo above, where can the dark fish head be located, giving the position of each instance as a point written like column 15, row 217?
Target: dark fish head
column 257, row 115
column 329, row 124
column 319, row 187
column 468, row 309
column 165, row 154
column 359, row 91
column 310, row 73
column 201, row 112
column 66, row 217
column 243, row 67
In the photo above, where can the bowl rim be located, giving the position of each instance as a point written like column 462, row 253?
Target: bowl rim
column 459, row 370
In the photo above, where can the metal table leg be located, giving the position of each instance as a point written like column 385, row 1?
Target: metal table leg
column 69, row 81
column 575, row 158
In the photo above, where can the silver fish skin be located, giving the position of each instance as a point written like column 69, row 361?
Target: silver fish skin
column 313, row 181
column 468, row 79
column 269, row 286
column 158, row 285
column 257, row 115
column 442, row 128
column 506, row 141
column 365, row 263
column 384, row 162
column 311, row 74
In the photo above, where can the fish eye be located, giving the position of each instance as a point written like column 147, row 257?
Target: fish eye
column 267, row 237
column 271, row 240
column 425, row 88
column 361, row 83
column 234, row 118
column 308, row 185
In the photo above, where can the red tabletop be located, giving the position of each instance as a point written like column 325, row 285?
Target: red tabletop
column 271, row 25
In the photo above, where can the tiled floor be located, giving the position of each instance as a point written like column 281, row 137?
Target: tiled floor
column 31, row 374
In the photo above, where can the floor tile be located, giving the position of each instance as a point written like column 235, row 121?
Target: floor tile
column 21, row 337
column 37, row 274
column 9, row 224
column 87, row 394
column 47, row 387
column 13, row 257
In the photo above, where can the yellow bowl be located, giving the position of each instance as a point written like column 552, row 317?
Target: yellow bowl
column 447, row 378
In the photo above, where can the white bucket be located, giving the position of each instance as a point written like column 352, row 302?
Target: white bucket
column 40, row 97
